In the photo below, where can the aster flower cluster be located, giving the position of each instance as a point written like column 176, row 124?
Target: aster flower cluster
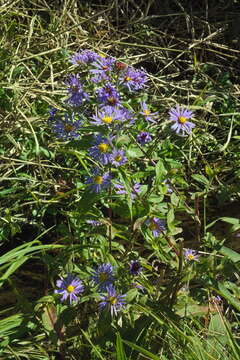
column 102, row 101
column 97, row 97
column 110, row 299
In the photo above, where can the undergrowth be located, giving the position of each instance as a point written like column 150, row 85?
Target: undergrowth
column 119, row 236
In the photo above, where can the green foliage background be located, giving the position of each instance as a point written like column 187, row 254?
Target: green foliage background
column 191, row 53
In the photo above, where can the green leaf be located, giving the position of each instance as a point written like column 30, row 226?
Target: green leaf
column 94, row 347
column 21, row 251
column 8, row 324
column 228, row 296
column 174, row 199
column 231, row 254
column 160, row 172
column 209, row 171
column 12, row 268
column 141, row 350
column 87, row 200
column 134, row 152
column 230, row 220
column 217, row 337
column 170, row 219
column 223, row 148
column 131, row 294
column 49, row 317
column 120, row 349
column 200, row 178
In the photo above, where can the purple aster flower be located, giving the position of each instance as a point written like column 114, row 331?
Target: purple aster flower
column 133, row 79
column 103, row 67
column 122, row 191
column 66, row 128
column 118, row 158
column 98, row 181
column 93, row 222
column 103, row 276
column 126, row 115
column 52, row 112
column 101, row 150
column 107, row 115
column 135, row 267
column 136, row 190
column 147, row 113
column 69, row 287
column 216, row 300
column 137, row 285
column 156, row 225
column 112, row 302
column 165, row 183
column 191, row 255
column 144, row 137
column 180, row 116
column 108, row 95
column 84, row 57
column 77, row 95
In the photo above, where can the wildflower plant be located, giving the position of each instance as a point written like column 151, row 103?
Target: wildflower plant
column 115, row 126
column 104, row 203
column 128, row 181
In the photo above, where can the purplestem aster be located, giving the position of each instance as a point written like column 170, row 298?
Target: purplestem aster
column 133, row 79
column 120, row 189
column 98, row 181
column 156, row 225
column 75, row 90
column 148, row 115
column 103, row 276
column 118, row 158
column 66, row 128
column 101, row 150
column 135, row 267
column 180, row 117
column 144, row 137
column 112, row 301
column 84, row 57
column 70, row 287
column 190, row 255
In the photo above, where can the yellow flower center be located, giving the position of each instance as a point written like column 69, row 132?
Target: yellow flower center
column 112, row 100
column 74, row 88
column 112, row 300
column 153, row 226
column 182, row 119
column 103, row 147
column 98, row 180
column 70, row 288
column 107, row 119
column 146, row 112
column 69, row 127
column 103, row 277
column 118, row 158
column 128, row 78
column 191, row 257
